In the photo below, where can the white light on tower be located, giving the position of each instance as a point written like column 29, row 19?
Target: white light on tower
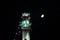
column 25, row 14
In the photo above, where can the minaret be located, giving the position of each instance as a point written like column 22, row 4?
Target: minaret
column 25, row 26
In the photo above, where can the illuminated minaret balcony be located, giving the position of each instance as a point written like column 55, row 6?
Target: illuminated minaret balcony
column 25, row 26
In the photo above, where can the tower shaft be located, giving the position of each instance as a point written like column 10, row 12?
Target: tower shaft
column 25, row 35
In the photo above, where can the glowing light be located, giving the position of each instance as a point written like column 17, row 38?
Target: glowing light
column 27, row 36
column 42, row 15
column 25, row 14
column 25, row 23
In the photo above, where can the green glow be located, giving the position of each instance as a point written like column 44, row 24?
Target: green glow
column 24, row 22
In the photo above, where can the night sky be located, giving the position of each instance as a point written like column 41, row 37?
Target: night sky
column 35, row 8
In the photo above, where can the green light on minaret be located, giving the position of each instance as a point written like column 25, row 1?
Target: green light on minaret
column 25, row 23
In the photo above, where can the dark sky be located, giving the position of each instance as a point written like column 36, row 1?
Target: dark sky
column 36, row 8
